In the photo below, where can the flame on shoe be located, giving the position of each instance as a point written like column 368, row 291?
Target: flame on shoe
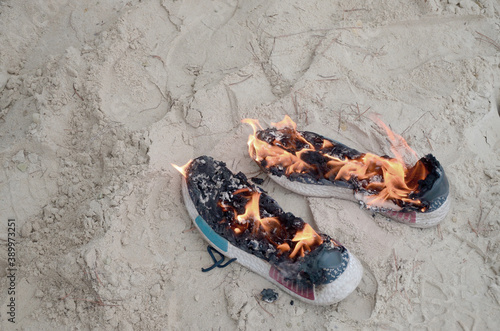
column 306, row 239
column 399, row 146
column 383, row 178
column 267, row 225
column 270, row 227
column 278, row 155
column 182, row 169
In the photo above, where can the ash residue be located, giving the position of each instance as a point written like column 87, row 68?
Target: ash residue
column 212, row 189
column 321, row 266
column 211, row 183
column 318, row 152
column 287, row 140
column 269, row 295
column 337, row 150
column 291, row 144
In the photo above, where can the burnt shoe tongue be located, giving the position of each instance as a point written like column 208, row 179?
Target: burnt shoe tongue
column 324, row 264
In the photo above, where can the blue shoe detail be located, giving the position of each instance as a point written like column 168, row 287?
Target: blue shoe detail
column 212, row 236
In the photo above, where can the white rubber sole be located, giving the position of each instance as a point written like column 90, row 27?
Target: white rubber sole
column 413, row 218
column 326, row 294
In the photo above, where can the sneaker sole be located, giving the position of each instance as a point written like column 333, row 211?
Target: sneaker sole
column 412, row 218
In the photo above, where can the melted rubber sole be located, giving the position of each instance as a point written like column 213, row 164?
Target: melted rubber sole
column 412, row 218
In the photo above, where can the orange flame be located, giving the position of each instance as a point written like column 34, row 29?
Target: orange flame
column 390, row 178
column 182, row 169
column 305, row 240
column 252, row 213
column 260, row 150
column 399, row 146
column 285, row 123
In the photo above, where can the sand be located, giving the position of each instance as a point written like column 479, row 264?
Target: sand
column 98, row 98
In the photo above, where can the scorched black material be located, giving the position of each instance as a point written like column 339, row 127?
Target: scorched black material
column 269, row 295
column 211, row 184
column 433, row 186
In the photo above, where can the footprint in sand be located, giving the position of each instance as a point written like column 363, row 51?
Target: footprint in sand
column 361, row 303
column 129, row 94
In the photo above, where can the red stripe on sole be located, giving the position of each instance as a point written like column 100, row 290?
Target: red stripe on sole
column 305, row 292
column 410, row 217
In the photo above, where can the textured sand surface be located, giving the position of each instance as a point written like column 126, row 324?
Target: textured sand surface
column 98, row 98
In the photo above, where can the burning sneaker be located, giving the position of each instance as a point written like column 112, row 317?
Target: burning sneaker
column 243, row 222
column 309, row 164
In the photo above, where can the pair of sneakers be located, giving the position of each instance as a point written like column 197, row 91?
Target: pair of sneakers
column 243, row 222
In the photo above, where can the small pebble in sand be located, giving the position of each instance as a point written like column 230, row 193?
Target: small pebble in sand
column 269, row 295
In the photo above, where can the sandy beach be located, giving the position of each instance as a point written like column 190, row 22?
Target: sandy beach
column 97, row 99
